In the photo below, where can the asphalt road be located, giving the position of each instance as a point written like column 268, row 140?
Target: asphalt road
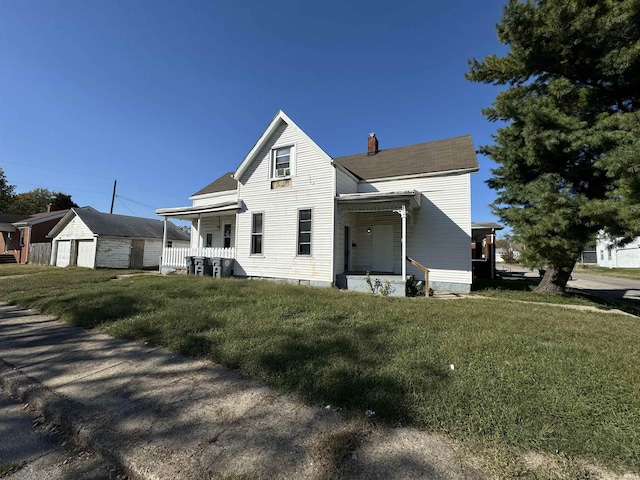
column 609, row 287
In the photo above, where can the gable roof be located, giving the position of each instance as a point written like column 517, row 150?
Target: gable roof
column 280, row 117
column 452, row 154
column 40, row 218
column 109, row 225
column 222, row 184
column 11, row 217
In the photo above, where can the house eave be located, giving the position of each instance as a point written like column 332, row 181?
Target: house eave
column 205, row 196
column 444, row 173
column 194, row 212
column 411, row 196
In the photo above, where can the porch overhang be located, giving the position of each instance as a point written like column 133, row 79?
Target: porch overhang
column 378, row 201
column 189, row 213
column 402, row 203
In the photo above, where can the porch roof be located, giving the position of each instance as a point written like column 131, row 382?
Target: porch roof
column 379, row 199
column 195, row 212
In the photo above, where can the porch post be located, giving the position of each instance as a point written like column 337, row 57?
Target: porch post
column 164, row 234
column 164, row 242
column 199, row 233
column 403, row 214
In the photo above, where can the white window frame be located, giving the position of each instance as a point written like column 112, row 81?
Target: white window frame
column 310, row 232
column 274, row 174
column 261, row 253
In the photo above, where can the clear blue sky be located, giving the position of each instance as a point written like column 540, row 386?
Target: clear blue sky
column 165, row 96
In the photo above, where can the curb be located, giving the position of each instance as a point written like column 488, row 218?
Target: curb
column 83, row 424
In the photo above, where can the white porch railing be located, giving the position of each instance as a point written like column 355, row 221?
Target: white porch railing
column 175, row 257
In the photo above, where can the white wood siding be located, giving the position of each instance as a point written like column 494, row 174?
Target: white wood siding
column 152, row 252
column 76, row 229
column 439, row 236
column 312, row 187
column 215, row 198
column 345, row 183
column 215, row 226
column 113, row 252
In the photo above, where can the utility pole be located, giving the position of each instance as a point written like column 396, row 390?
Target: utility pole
column 113, row 197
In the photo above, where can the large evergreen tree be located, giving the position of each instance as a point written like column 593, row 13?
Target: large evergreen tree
column 569, row 154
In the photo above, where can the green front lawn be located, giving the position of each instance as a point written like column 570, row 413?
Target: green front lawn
column 525, row 376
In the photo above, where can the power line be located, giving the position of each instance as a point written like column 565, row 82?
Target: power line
column 133, row 201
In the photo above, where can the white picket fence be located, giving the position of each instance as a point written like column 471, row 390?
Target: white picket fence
column 175, row 257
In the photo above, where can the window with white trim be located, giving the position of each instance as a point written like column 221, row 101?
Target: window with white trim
column 282, row 162
column 304, row 232
column 256, row 233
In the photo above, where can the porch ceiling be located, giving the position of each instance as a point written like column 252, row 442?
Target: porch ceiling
column 195, row 212
column 378, row 201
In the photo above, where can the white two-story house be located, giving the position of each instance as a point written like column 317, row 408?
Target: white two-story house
column 290, row 211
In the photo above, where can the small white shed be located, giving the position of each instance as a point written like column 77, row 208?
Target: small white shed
column 88, row 238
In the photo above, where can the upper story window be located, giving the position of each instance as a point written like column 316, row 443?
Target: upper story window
column 282, row 162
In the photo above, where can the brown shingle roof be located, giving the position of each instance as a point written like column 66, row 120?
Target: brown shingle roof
column 225, row 182
column 440, row 156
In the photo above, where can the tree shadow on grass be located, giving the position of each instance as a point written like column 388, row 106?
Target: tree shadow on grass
column 92, row 309
column 513, row 283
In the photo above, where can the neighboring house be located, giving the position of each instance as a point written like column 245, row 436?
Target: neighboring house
column 88, row 238
column 483, row 249
column 627, row 256
column 290, row 211
column 32, row 232
column 9, row 238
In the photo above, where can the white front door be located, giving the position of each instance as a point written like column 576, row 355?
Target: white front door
column 382, row 248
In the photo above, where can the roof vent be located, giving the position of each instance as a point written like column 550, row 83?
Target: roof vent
column 372, row 144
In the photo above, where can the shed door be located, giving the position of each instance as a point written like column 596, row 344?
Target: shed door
column 64, row 253
column 382, row 248
column 136, row 260
column 85, row 253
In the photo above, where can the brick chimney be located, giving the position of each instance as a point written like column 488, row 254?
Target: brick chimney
column 372, row 144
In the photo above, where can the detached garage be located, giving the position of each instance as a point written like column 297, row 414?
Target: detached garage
column 88, row 238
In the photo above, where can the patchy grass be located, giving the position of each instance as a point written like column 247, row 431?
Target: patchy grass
column 633, row 273
column 526, row 376
column 19, row 269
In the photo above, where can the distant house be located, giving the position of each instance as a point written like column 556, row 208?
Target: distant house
column 611, row 256
column 88, row 238
column 32, row 232
column 289, row 211
column 483, row 249
column 10, row 238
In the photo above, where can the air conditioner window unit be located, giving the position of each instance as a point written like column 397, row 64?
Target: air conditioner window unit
column 283, row 172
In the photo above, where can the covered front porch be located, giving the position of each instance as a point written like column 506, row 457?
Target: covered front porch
column 373, row 229
column 212, row 234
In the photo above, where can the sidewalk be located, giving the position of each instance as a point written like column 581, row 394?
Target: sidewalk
column 162, row 416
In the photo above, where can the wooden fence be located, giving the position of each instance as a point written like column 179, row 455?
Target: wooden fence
column 39, row 253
